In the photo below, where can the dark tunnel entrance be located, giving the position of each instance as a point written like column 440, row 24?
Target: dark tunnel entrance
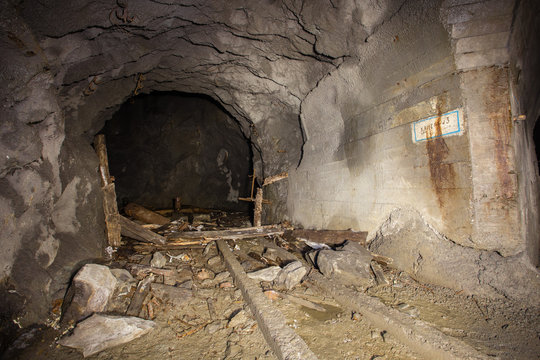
column 166, row 145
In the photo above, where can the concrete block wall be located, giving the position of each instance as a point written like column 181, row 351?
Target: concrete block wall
column 360, row 159
column 360, row 162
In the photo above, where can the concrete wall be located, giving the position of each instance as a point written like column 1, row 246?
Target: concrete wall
column 525, row 105
column 360, row 161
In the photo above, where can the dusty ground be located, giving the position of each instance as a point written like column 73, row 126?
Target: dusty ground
column 200, row 328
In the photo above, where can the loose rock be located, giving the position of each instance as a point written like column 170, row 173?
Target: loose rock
column 291, row 275
column 266, row 274
column 350, row 265
column 158, row 260
column 100, row 332
column 90, row 291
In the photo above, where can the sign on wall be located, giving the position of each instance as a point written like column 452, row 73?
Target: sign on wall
column 437, row 126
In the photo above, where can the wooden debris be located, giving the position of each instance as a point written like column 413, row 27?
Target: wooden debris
column 329, row 237
column 380, row 278
column 137, row 232
column 110, row 206
column 177, row 204
column 272, row 179
column 138, row 270
column 148, row 216
column 230, row 234
column 192, row 331
column 140, row 294
column 382, row 259
column 257, row 213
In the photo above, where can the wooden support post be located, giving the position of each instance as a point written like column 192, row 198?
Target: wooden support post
column 110, row 206
column 257, row 214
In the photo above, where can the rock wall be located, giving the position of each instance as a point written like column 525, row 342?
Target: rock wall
column 49, row 203
column 161, row 146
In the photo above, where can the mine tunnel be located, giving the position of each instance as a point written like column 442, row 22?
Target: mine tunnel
column 270, row 180
column 164, row 146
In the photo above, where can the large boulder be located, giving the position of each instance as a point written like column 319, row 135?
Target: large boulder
column 90, row 292
column 349, row 265
column 100, row 332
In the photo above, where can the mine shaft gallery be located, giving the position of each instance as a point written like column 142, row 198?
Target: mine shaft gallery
column 202, row 179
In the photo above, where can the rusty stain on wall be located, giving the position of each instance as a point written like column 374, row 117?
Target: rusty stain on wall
column 501, row 123
column 442, row 173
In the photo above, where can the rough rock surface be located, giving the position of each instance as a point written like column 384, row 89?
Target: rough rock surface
column 90, row 292
column 290, row 275
column 100, row 332
column 349, row 265
column 429, row 257
column 158, row 260
column 266, row 274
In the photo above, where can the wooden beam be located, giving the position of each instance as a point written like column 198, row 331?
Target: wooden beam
column 110, row 207
column 272, row 179
column 257, row 212
column 141, row 213
column 231, row 234
column 136, row 231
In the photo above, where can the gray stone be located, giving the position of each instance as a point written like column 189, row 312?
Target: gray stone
column 291, row 275
column 100, row 332
column 214, row 260
column 266, row 274
column 90, row 291
column 221, row 276
column 238, row 320
column 349, row 264
column 158, row 260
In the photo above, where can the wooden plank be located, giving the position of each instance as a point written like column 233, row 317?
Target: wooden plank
column 257, row 213
column 148, row 216
column 230, row 234
column 110, row 207
column 136, row 304
column 329, row 237
column 136, row 231
column 272, row 179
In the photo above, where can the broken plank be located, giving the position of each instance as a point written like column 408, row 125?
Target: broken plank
column 137, row 232
column 272, row 179
column 257, row 213
column 230, row 234
column 148, row 216
column 329, row 237
column 138, row 269
column 136, row 304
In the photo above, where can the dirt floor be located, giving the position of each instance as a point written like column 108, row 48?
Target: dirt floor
column 214, row 322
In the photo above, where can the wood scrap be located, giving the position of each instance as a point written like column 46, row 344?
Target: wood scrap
column 110, row 207
column 137, row 232
column 136, row 304
column 328, row 237
column 272, row 179
column 139, row 269
column 148, row 216
column 257, row 213
column 230, row 234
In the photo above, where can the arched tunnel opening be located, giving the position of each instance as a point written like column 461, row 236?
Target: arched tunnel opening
column 269, row 179
column 168, row 146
